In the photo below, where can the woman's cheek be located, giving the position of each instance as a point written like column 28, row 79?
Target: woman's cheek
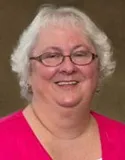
column 47, row 73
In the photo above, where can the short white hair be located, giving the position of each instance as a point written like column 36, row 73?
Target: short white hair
column 48, row 15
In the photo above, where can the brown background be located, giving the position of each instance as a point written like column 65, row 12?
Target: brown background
column 15, row 15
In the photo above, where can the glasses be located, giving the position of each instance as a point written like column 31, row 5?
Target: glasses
column 54, row 59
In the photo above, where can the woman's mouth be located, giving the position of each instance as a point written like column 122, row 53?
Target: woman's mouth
column 67, row 83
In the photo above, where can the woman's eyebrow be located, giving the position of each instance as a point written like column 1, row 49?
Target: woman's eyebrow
column 77, row 46
column 54, row 48
column 84, row 47
column 61, row 50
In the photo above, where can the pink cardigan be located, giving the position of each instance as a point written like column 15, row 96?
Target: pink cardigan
column 18, row 142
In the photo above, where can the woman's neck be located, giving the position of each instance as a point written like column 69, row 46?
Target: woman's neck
column 60, row 122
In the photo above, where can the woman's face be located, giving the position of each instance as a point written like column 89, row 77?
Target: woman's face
column 66, row 85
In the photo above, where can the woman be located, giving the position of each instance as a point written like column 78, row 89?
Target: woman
column 61, row 60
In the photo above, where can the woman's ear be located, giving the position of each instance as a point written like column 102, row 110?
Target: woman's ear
column 29, row 88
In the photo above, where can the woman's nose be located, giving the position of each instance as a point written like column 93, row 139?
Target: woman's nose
column 68, row 66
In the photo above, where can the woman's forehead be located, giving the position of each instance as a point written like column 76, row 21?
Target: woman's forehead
column 62, row 37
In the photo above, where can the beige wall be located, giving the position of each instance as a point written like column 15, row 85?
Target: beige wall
column 109, row 15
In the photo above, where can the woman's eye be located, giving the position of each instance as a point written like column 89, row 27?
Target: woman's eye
column 51, row 55
column 80, row 54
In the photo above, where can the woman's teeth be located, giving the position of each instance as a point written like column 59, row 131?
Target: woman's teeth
column 67, row 83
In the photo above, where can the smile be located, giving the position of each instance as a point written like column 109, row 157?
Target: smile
column 62, row 83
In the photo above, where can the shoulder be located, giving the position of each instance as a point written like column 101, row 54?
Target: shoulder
column 11, row 126
column 105, row 119
column 112, row 135
column 111, row 127
column 10, row 121
column 108, row 122
column 11, row 134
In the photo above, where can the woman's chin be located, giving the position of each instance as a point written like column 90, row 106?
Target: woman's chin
column 68, row 103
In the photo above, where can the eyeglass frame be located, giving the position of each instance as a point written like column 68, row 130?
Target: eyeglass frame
column 39, row 59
